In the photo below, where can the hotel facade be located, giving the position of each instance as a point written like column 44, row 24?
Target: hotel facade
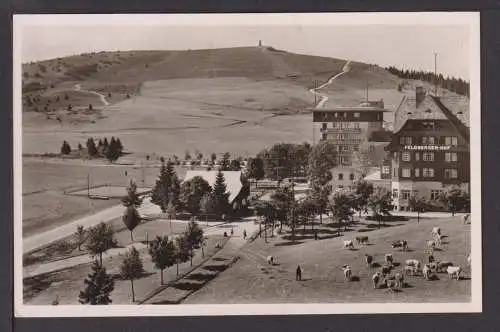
column 429, row 150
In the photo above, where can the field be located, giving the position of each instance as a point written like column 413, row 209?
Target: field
column 252, row 280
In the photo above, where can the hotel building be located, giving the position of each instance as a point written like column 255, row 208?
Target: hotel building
column 429, row 151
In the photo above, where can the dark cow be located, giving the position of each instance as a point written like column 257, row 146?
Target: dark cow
column 362, row 239
column 400, row 244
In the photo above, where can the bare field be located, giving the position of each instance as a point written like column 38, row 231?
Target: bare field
column 252, row 280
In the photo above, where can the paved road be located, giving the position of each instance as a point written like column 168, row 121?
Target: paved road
column 40, row 240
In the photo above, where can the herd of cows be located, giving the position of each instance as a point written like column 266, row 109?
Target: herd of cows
column 388, row 277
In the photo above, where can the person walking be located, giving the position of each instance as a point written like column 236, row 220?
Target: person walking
column 232, row 231
column 244, row 234
column 298, row 273
column 315, row 235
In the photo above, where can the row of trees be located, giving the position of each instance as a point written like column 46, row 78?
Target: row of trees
column 280, row 161
column 456, row 85
column 194, row 196
column 111, row 150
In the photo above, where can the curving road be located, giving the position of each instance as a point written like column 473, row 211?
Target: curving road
column 78, row 87
column 323, row 97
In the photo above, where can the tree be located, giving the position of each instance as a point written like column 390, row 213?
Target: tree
column 199, row 155
column 99, row 144
column 207, row 204
column 65, row 148
column 105, row 144
column 364, row 190
column 341, row 208
column 98, row 287
column 255, row 169
column 112, row 152
column 167, row 187
column 162, row 252
column 192, row 191
column 282, row 200
column 119, row 146
column 380, row 203
column 235, row 165
column 132, row 268
column 455, row 200
column 266, row 211
column 417, row 204
column 321, row 160
column 319, row 195
column 91, row 148
column 305, row 210
column 213, row 157
column 365, row 158
column 171, row 213
column 221, row 198
column 225, row 162
column 80, row 147
column 100, row 239
column 132, row 198
column 182, row 250
column 187, row 155
column 194, row 237
column 80, row 236
column 131, row 219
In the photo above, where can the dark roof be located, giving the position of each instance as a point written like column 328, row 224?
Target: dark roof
column 431, row 108
column 350, row 109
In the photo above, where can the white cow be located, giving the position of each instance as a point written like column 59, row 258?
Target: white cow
column 454, row 271
column 347, row 272
column 376, row 278
column 426, row 271
column 413, row 262
column 348, row 244
column 436, row 231
column 270, row 260
column 399, row 277
column 469, row 260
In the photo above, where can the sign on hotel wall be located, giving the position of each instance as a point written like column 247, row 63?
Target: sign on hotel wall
column 427, row 147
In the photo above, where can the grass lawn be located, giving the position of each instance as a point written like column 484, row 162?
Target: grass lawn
column 252, row 280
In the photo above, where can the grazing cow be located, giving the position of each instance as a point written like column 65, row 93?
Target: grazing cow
column 466, row 218
column 270, row 260
column 348, row 244
column 454, row 271
column 426, row 271
column 390, row 284
column 413, row 262
column 375, row 279
column 441, row 266
column 469, row 260
column 431, row 259
column 411, row 270
column 347, row 272
column 436, row 231
column 400, row 244
column 399, row 277
column 386, row 269
column 433, row 266
column 362, row 239
column 431, row 244
column 368, row 260
column 389, row 259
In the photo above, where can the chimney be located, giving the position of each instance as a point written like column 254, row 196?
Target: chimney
column 419, row 95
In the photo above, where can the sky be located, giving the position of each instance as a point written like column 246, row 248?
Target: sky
column 409, row 46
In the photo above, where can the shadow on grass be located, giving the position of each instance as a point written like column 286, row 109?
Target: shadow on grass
column 407, row 285
column 215, row 268
column 288, row 243
column 375, row 265
column 433, row 277
column 354, row 279
column 200, row 277
column 463, row 278
column 187, row 286
column 219, row 259
column 396, row 264
column 166, row 302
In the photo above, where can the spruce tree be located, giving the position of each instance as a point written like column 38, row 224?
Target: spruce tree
column 91, row 148
column 132, row 198
column 98, row 287
column 80, row 147
column 167, row 187
column 105, row 143
column 221, row 198
column 65, row 148
column 119, row 146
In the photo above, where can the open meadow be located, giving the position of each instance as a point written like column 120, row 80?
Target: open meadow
column 253, row 280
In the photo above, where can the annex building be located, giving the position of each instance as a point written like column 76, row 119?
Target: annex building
column 429, row 151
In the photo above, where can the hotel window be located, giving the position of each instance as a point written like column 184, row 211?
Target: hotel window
column 450, row 156
column 406, row 172
column 406, row 156
column 324, row 136
column 405, row 194
column 351, row 176
column 345, row 114
column 451, row 140
column 428, row 172
column 394, row 172
column 356, row 148
column 417, row 172
column 341, row 176
column 428, row 140
column 323, row 126
column 405, row 140
column 335, row 115
column 325, row 116
column 357, row 115
column 417, row 156
column 386, row 170
column 451, row 173
column 394, row 193
column 435, row 194
column 356, row 125
column 428, row 156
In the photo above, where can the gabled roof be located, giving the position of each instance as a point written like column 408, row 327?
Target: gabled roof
column 408, row 110
column 233, row 180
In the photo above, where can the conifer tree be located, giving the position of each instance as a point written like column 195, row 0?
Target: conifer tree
column 221, row 198
column 98, row 287
column 91, row 148
column 132, row 198
column 167, row 187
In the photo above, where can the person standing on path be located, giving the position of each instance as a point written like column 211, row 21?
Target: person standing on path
column 244, row 234
column 298, row 273
column 232, row 231
column 315, row 235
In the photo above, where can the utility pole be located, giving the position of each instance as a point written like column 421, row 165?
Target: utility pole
column 88, row 185
column 435, row 74
column 366, row 91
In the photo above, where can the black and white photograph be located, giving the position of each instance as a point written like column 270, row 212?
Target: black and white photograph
column 237, row 164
